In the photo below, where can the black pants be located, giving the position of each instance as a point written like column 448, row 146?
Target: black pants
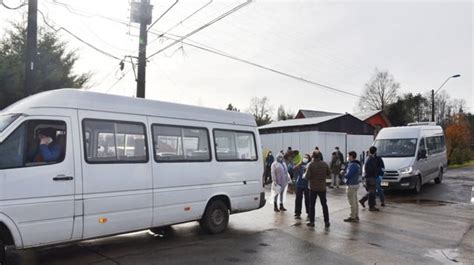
column 370, row 187
column 322, row 199
column 268, row 174
column 300, row 193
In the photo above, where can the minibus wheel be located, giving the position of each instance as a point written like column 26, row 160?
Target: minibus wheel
column 2, row 252
column 439, row 179
column 215, row 218
column 418, row 184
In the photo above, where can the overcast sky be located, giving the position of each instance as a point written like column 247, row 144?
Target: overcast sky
column 335, row 43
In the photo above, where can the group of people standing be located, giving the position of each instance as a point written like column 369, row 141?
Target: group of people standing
column 309, row 174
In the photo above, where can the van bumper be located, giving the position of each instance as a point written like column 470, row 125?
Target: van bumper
column 405, row 183
column 262, row 200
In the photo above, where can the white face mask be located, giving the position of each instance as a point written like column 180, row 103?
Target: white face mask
column 305, row 160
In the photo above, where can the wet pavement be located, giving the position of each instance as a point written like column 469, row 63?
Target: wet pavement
column 434, row 227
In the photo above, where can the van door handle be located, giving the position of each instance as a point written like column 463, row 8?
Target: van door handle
column 62, row 178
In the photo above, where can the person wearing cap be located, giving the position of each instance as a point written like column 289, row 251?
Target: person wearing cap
column 48, row 150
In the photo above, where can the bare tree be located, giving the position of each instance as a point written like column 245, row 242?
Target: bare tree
column 260, row 108
column 379, row 92
column 283, row 115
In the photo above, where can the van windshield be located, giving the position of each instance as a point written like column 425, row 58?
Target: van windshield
column 6, row 120
column 396, row 147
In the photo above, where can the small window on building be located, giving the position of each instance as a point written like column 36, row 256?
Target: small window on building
column 115, row 141
column 235, row 146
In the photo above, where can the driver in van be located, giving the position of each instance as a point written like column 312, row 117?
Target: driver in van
column 48, row 150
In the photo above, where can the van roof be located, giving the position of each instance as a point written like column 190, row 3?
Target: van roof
column 405, row 132
column 86, row 100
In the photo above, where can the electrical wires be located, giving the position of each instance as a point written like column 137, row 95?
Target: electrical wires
column 13, row 8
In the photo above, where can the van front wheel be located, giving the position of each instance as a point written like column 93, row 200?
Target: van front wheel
column 418, row 185
column 439, row 179
column 215, row 218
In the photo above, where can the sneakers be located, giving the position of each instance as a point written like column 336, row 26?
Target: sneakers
column 352, row 220
column 374, row 209
column 310, row 224
column 362, row 203
column 297, row 217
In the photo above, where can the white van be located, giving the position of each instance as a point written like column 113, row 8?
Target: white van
column 119, row 164
column 413, row 155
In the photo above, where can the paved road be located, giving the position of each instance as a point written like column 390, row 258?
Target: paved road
column 434, row 227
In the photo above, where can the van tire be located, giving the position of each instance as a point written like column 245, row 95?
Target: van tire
column 2, row 252
column 439, row 179
column 215, row 218
column 418, row 184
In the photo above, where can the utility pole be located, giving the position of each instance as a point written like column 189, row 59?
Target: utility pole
column 31, row 47
column 432, row 105
column 141, row 13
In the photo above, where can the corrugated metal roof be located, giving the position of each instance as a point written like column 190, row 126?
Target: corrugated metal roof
column 300, row 122
column 316, row 113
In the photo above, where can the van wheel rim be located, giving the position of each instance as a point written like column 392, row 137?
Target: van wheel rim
column 217, row 217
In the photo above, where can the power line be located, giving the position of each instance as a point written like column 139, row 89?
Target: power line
column 13, row 8
column 221, row 53
column 203, row 27
column 162, row 15
column 77, row 37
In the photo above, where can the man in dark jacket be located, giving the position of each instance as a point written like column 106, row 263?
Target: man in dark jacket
column 316, row 174
column 372, row 170
column 351, row 177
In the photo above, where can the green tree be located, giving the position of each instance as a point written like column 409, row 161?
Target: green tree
column 408, row 108
column 54, row 67
column 231, row 107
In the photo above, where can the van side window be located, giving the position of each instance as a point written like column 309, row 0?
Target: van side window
column 435, row 144
column 235, row 145
column 422, row 145
column 180, row 144
column 114, row 141
column 34, row 143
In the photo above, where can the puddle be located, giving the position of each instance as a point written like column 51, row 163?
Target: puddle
column 425, row 202
column 445, row 256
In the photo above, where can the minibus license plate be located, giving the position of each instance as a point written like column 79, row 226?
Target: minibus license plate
column 384, row 184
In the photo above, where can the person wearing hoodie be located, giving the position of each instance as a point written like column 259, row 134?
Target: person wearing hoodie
column 351, row 176
column 302, row 189
column 280, row 180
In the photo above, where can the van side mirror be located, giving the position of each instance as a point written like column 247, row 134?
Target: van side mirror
column 422, row 154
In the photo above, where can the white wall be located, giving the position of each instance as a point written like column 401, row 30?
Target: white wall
column 306, row 141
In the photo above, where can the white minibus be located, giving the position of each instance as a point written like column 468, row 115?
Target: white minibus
column 77, row 165
column 413, row 155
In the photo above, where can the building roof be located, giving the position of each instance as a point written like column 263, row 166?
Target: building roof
column 300, row 122
column 86, row 100
column 316, row 113
column 366, row 114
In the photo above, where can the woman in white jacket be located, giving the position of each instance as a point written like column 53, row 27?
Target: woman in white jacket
column 280, row 179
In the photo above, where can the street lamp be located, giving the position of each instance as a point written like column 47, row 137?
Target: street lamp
column 434, row 92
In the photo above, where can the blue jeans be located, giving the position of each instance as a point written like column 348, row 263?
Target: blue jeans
column 378, row 188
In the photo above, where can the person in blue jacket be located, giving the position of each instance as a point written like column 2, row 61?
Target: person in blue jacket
column 302, row 190
column 351, row 177
column 48, row 149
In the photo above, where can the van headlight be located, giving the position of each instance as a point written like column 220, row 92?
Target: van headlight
column 406, row 171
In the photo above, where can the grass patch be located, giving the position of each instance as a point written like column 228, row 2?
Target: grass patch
column 465, row 164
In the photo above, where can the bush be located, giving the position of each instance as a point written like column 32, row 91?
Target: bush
column 459, row 156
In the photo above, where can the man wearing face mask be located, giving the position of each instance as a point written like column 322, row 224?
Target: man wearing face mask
column 280, row 179
column 302, row 190
column 48, row 150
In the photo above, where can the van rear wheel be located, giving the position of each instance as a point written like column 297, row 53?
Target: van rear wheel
column 439, row 179
column 2, row 252
column 215, row 218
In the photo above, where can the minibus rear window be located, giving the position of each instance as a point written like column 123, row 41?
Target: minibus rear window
column 6, row 120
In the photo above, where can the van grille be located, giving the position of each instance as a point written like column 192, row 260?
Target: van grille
column 391, row 175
